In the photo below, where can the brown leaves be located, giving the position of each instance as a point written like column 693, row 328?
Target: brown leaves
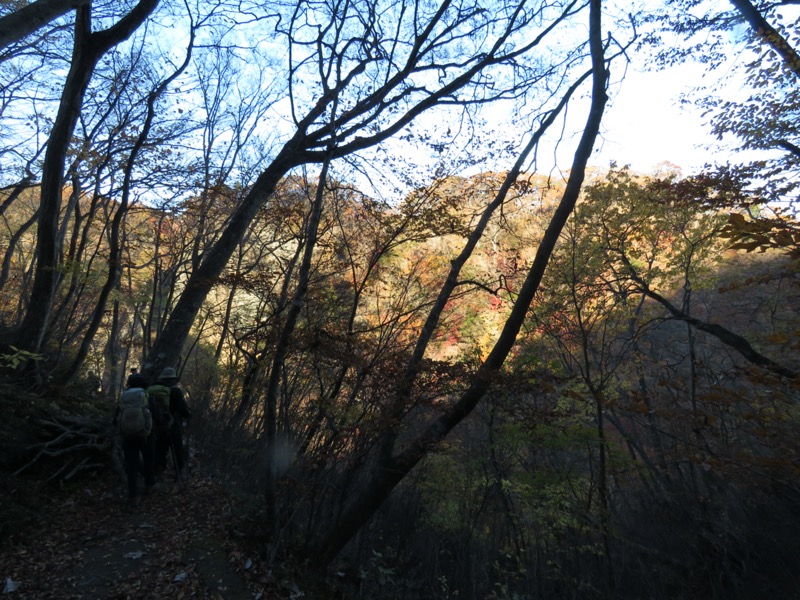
column 779, row 232
column 90, row 544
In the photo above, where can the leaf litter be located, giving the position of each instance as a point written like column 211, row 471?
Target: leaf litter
column 175, row 544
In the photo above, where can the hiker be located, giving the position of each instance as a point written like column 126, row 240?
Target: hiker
column 171, row 414
column 133, row 417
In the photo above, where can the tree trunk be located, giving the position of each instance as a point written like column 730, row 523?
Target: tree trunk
column 768, row 34
column 115, row 244
column 15, row 192
column 391, row 469
column 87, row 50
column 169, row 343
column 16, row 25
column 37, row 316
column 5, row 271
column 111, row 375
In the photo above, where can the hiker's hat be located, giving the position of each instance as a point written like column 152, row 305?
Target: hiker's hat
column 136, row 380
column 167, row 373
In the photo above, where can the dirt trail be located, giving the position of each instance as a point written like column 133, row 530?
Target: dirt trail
column 174, row 544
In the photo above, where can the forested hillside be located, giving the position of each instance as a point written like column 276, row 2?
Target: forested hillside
column 421, row 361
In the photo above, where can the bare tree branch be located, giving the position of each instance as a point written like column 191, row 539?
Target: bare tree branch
column 727, row 337
column 20, row 23
column 391, row 469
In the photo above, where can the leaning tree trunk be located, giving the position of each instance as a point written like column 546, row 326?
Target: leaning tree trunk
column 20, row 23
column 392, row 468
column 115, row 245
column 361, row 125
column 170, row 340
column 88, row 48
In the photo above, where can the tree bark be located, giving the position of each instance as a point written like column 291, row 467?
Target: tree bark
column 87, row 50
column 391, row 469
column 311, row 145
column 768, row 34
column 20, row 23
column 115, row 246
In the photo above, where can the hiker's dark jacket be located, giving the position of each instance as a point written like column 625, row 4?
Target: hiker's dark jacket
column 177, row 404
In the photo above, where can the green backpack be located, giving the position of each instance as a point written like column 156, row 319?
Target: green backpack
column 135, row 420
column 162, row 419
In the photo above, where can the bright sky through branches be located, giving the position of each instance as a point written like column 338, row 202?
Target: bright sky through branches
column 646, row 124
column 653, row 118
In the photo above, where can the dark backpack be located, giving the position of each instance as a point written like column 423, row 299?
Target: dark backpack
column 134, row 419
column 162, row 417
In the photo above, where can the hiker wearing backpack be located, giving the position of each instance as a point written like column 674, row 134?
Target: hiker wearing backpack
column 171, row 413
column 133, row 418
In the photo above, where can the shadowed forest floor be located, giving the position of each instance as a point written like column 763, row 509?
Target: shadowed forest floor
column 180, row 542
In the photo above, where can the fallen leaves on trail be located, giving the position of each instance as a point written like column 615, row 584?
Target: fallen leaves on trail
column 91, row 544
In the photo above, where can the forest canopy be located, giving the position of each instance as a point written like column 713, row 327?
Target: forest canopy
column 338, row 223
